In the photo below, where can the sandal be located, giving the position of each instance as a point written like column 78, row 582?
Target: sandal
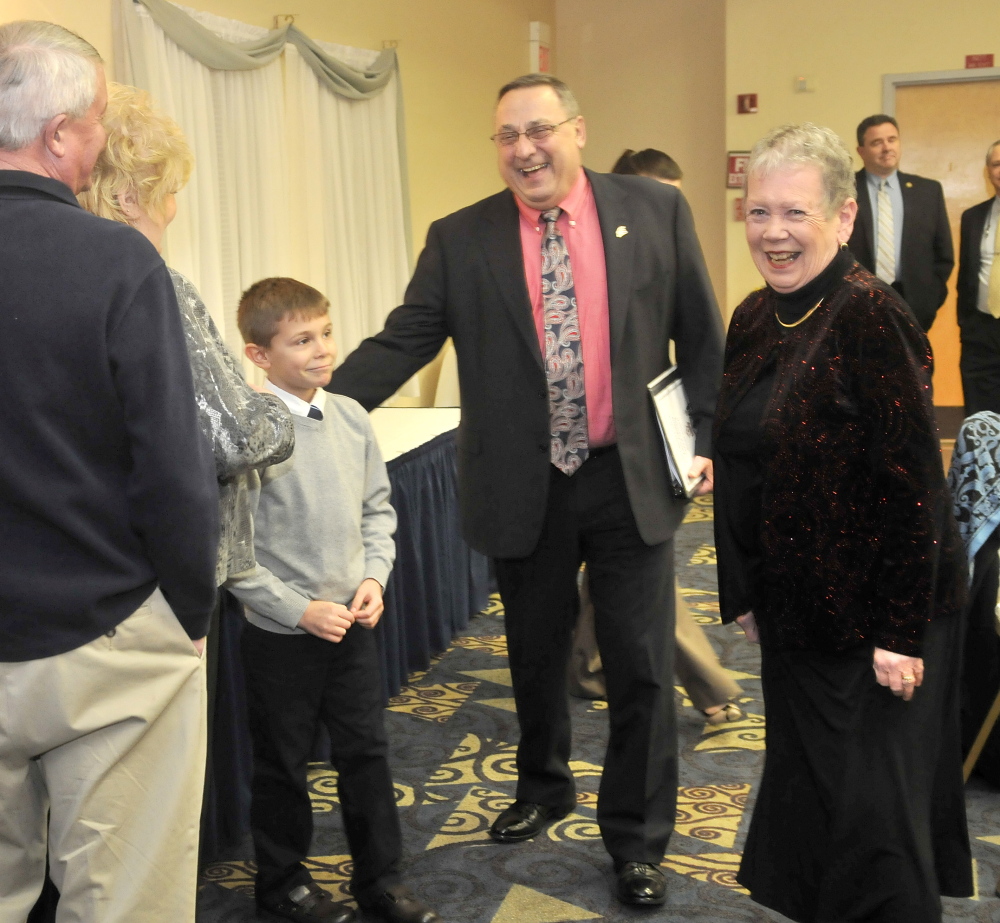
column 728, row 712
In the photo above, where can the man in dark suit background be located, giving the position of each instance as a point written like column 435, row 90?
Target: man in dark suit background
column 979, row 297
column 635, row 280
column 908, row 243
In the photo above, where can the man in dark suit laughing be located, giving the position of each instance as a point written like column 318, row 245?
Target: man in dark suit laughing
column 901, row 233
column 562, row 295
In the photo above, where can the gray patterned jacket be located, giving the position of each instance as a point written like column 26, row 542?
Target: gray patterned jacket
column 247, row 429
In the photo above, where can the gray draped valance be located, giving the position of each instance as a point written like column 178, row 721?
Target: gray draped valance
column 207, row 48
column 211, row 51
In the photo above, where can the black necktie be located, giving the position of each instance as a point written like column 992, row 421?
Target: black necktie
column 315, row 413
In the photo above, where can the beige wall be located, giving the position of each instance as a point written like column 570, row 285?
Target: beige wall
column 651, row 73
column 659, row 73
column 89, row 18
column 834, row 45
column 454, row 55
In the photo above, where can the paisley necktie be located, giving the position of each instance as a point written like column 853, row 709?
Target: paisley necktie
column 563, row 352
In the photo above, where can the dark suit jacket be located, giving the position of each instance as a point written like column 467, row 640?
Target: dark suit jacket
column 973, row 224
column 980, row 332
column 927, row 256
column 469, row 284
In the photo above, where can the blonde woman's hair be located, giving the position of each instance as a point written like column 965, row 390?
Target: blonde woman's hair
column 146, row 155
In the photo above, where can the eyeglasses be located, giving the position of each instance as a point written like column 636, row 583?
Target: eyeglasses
column 534, row 134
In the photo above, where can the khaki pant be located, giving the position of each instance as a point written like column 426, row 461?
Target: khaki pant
column 109, row 741
column 695, row 661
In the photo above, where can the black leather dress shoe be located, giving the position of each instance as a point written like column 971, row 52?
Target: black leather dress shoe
column 306, row 903
column 524, row 820
column 397, row 905
column 641, row 883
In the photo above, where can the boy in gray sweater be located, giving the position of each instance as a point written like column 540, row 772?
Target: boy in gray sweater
column 323, row 529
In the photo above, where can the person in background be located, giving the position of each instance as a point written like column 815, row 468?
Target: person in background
column 649, row 162
column 901, row 234
column 108, row 523
column 979, row 296
column 711, row 689
column 839, row 555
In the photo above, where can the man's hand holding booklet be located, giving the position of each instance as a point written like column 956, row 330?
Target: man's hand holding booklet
column 670, row 403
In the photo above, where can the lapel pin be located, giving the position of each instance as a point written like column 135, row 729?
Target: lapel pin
column 621, row 230
column 909, row 185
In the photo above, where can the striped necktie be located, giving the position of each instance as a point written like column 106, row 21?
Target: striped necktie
column 563, row 352
column 885, row 260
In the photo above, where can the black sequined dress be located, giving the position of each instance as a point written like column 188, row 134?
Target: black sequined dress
column 833, row 526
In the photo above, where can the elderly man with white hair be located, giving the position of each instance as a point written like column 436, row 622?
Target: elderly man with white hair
column 108, row 522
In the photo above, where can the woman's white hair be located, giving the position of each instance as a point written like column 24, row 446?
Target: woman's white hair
column 807, row 145
column 45, row 71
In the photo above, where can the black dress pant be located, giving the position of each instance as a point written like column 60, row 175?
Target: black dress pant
column 589, row 518
column 980, row 363
column 294, row 682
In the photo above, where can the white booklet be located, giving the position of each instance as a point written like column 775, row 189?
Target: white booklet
column 670, row 403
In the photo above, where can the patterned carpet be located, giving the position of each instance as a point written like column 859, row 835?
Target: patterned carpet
column 453, row 732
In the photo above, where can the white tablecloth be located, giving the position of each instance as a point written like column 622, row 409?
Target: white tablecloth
column 400, row 429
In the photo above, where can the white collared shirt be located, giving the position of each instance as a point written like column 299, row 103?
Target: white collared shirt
column 987, row 248
column 295, row 404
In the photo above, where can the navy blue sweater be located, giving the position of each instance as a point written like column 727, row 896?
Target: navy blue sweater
column 107, row 487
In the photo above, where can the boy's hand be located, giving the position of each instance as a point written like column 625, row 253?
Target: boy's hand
column 367, row 606
column 328, row 621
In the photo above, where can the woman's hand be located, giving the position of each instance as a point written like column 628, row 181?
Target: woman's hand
column 702, row 466
column 749, row 625
column 900, row 673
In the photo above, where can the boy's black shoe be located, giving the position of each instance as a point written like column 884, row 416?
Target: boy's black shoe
column 397, row 904
column 640, row 883
column 307, row 903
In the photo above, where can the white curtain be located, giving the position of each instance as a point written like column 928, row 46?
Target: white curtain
column 290, row 179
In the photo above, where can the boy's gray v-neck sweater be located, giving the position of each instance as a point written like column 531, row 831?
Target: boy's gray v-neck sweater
column 323, row 522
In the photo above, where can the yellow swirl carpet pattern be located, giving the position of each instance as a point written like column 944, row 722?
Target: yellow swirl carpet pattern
column 453, row 734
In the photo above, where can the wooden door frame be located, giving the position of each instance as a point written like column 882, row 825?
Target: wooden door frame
column 893, row 82
column 967, row 75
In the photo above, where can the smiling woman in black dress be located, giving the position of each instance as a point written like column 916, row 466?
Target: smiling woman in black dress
column 838, row 554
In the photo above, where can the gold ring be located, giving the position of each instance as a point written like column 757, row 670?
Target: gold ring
column 909, row 679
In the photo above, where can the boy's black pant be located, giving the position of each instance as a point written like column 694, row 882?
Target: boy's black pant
column 294, row 682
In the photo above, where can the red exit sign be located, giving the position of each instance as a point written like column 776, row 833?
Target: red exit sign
column 979, row 60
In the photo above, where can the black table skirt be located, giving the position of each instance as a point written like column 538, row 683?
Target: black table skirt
column 437, row 581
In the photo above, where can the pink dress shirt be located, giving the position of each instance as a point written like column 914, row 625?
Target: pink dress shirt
column 581, row 229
